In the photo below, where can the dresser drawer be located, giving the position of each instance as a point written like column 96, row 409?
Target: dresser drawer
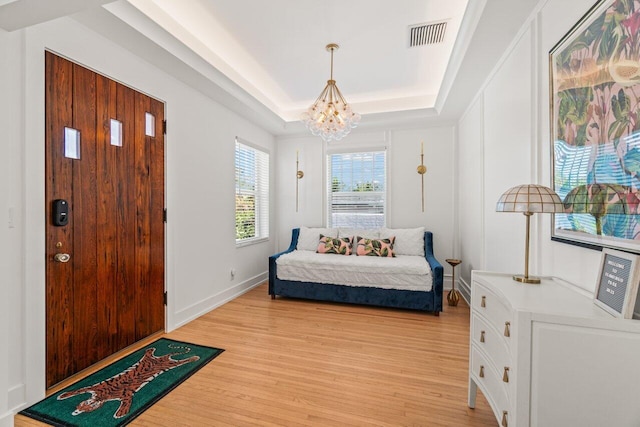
column 488, row 305
column 493, row 343
column 490, row 382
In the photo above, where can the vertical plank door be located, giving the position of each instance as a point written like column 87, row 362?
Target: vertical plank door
column 105, row 267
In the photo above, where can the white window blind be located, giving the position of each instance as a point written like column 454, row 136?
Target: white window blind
column 252, row 193
column 356, row 189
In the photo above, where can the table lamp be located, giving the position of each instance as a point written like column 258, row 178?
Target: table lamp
column 529, row 199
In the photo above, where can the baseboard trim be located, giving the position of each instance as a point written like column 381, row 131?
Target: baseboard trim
column 465, row 290
column 446, row 284
column 193, row 312
column 6, row 419
column 17, row 397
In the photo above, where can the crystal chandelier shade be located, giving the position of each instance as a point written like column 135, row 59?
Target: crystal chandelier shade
column 330, row 116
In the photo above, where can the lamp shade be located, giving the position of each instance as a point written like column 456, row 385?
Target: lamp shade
column 529, row 198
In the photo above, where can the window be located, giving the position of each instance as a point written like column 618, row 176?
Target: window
column 71, row 143
column 252, row 193
column 149, row 124
column 116, row 133
column 356, row 189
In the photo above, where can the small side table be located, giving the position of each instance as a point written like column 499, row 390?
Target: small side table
column 453, row 297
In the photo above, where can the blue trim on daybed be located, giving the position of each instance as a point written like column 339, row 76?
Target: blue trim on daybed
column 416, row 300
column 295, row 233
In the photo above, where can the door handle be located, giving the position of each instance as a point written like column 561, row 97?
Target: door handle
column 62, row 257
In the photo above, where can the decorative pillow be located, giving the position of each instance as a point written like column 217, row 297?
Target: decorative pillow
column 369, row 234
column 409, row 241
column 331, row 245
column 375, row 247
column 308, row 238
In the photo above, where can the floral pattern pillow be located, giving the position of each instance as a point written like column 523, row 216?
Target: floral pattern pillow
column 375, row 247
column 334, row 245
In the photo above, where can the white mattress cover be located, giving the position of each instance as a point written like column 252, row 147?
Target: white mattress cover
column 403, row 272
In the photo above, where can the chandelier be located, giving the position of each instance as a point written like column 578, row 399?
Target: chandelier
column 330, row 116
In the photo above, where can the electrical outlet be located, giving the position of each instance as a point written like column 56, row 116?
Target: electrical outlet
column 233, row 273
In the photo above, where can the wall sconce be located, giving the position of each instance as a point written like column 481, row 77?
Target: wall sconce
column 422, row 169
column 299, row 175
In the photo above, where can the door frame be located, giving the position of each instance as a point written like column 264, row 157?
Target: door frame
column 33, row 191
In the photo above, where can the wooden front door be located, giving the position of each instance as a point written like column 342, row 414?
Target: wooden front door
column 105, row 255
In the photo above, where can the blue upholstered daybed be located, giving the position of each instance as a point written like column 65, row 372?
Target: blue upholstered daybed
column 424, row 300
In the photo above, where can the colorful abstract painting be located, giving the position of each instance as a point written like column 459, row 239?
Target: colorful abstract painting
column 595, row 128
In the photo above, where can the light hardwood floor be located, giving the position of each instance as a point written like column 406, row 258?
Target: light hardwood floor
column 300, row 363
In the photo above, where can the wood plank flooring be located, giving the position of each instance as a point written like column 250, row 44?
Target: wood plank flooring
column 301, row 363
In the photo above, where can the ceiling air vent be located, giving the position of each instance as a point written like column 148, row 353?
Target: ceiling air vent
column 425, row 34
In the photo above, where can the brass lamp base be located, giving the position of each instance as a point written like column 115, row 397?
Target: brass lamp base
column 453, row 298
column 523, row 279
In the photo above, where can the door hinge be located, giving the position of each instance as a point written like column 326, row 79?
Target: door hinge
column 164, row 298
column 164, row 127
column 164, row 215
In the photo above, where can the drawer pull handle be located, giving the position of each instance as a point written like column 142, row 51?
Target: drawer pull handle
column 481, row 371
column 507, row 329
column 483, row 301
column 504, row 419
column 481, row 336
column 505, row 376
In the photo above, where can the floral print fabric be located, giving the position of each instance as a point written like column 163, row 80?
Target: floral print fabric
column 375, row 247
column 334, row 245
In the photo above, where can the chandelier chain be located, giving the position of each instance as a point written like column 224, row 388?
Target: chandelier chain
column 332, row 49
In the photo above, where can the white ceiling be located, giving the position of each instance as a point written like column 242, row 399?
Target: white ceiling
column 266, row 59
column 275, row 50
column 17, row 14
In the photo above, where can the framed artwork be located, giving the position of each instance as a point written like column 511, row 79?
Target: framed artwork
column 595, row 128
column 617, row 286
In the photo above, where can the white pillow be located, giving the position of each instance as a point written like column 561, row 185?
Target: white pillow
column 309, row 237
column 409, row 241
column 355, row 232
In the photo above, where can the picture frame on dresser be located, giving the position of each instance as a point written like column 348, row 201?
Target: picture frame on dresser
column 618, row 281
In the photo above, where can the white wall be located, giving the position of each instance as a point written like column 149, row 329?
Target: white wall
column 504, row 141
column 11, row 229
column 470, row 211
column 199, row 189
column 404, row 187
column 507, row 150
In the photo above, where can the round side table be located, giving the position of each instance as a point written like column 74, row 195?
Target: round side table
column 453, row 297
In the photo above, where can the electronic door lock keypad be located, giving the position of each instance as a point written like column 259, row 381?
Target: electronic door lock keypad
column 60, row 212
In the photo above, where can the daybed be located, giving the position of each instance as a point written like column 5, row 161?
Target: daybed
column 411, row 283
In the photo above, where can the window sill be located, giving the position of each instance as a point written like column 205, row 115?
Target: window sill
column 250, row 242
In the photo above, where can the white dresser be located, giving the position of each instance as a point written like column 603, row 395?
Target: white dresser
column 544, row 355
